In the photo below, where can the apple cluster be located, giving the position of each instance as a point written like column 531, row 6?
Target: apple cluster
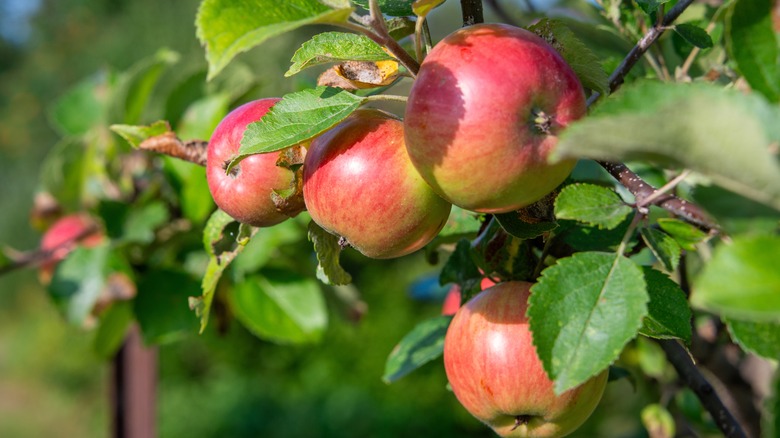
column 481, row 119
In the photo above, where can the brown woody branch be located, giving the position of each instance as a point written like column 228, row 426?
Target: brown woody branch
column 471, row 11
column 689, row 373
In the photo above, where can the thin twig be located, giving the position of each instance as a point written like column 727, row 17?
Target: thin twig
column 472, row 12
column 193, row 151
column 618, row 76
column 34, row 258
column 686, row 369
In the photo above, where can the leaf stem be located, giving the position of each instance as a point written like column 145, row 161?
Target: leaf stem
column 629, row 232
column 385, row 97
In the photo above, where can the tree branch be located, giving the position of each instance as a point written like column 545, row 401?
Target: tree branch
column 686, row 369
column 35, row 258
column 472, row 12
column 641, row 190
column 618, row 76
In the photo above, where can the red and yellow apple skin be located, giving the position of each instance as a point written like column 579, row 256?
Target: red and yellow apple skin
column 483, row 115
column 495, row 373
column 358, row 183
column 245, row 193
column 64, row 236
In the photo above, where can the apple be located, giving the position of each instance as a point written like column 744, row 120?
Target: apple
column 359, row 184
column 246, row 192
column 495, row 373
column 64, row 236
column 452, row 299
column 484, row 114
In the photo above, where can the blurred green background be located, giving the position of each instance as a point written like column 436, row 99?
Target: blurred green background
column 217, row 384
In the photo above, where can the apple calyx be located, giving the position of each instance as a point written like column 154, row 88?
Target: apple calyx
column 521, row 420
column 542, row 121
column 231, row 171
column 289, row 201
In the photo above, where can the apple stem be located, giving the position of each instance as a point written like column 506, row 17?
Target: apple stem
column 521, row 420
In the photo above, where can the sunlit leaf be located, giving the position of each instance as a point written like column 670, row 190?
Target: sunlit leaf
column 336, row 47
column 720, row 133
column 594, row 205
column 663, row 246
column 583, row 311
column 229, row 27
column 761, row 338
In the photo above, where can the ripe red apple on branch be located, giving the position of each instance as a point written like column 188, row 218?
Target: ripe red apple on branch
column 64, row 236
column 246, row 192
column 483, row 116
column 495, row 373
column 358, row 183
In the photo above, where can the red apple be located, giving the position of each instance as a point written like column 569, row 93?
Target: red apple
column 246, row 192
column 452, row 299
column 64, row 236
column 484, row 114
column 358, row 183
column 495, row 373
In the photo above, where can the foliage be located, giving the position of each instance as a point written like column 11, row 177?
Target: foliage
column 615, row 262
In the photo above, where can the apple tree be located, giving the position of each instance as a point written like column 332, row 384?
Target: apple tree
column 591, row 186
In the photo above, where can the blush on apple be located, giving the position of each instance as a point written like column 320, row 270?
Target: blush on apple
column 484, row 114
column 495, row 373
column 358, row 183
column 246, row 192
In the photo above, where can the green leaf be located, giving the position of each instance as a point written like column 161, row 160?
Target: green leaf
column 720, row 133
column 663, row 246
column 752, row 43
column 461, row 222
column 594, row 205
column 590, row 238
column 63, row 172
column 658, row 421
column 229, row 27
column 400, row 27
column 202, row 116
column 421, row 345
column 328, row 250
column 736, row 214
column 651, row 6
column 694, row 35
column 421, row 8
column 223, row 240
column 772, row 422
column 190, row 181
column 516, row 226
column 462, row 270
column 580, row 58
column 335, row 47
column 113, row 328
column 742, row 280
column 136, row 86
column 583, row 311
column 264, row 246
column 395, row 8
column 761, row 338
column 142, row 222
column 281, row 306
column 79, row 279
column 685, row 234
column 668, row 313
column 296, row 118
column 136, row 134
column 80, row 108
column 161, row 306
